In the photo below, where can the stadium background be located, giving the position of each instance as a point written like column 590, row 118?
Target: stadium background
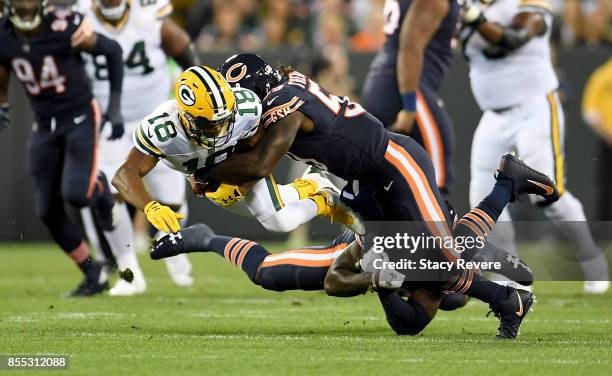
column 334, row 41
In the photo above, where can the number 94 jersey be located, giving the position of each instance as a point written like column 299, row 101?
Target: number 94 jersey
column 161, row 135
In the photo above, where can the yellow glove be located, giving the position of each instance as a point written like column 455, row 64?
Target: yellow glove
column 225, row 195
column 162, row 217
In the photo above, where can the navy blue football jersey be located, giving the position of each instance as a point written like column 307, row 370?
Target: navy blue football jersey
column 347, row 141
column 50, row 70
column 439, row 51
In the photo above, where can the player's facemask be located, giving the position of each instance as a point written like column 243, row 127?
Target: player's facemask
column 26, row 15
column 209, row 133
column 110, row 12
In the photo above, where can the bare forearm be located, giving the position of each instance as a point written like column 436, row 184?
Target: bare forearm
column 130, row 185
column 409, row 67
column 346, row 283
column 491, row 32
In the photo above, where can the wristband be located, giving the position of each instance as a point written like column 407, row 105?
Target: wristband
column 409, row 101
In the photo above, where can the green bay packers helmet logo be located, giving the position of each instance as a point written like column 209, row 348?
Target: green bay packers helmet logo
column 186, row 95
column 235, row 73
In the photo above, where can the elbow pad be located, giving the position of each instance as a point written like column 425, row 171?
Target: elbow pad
column 514, row 38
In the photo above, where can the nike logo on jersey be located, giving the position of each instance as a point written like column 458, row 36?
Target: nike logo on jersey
column 272, row 100
column 388, row 187
column 520, row 310
column 79, row 119
column 549, row 190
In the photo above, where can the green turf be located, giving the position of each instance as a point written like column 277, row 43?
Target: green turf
column 225, row 325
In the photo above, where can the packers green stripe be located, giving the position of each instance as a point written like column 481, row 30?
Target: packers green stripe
column 146, row 148
column 278, row 205
column 146, row 140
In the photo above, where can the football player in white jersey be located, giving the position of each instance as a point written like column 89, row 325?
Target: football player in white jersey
column 207, row 122
column 513, row 80
column 148, row 38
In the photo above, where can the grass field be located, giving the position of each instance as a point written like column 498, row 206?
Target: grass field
column 225, row 325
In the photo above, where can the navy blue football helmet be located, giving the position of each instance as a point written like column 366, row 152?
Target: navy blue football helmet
column 250, row 71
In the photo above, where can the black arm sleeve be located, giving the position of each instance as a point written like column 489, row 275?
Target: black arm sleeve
column 514, row 38
column 114, row 59
column 188, row 57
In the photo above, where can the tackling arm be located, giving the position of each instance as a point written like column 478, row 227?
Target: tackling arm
column 177, row 44
column 242, row 168
column 419, row 26
column 344, row 279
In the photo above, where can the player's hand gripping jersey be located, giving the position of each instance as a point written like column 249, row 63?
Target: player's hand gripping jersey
column 347, row 140
column 161, row 135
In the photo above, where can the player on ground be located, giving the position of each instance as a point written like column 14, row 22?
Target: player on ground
column 405, row 77
column 148, row 38
column 348, row 272
column 206, row 123
column 305, row 121
column 514, row 83
column 37, row 46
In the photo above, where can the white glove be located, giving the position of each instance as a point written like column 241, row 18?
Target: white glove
column 471, row 11
column 388, row 279
column 367, row 261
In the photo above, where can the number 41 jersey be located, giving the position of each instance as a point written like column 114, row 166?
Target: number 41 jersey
column 161, row 135
column 146, row 80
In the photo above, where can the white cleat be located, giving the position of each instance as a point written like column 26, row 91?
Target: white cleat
column 596, row 287
column 179, row 268
column 125, row 288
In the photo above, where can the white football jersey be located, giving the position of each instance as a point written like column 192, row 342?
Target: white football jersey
column 521, row 75
column 146, row 81
column 161, row 135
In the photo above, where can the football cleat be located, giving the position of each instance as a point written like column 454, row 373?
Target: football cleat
column 179, row 269
column 320, row 177
column 95, row 282
column 511, row 312
column 526, row 180
column 167, row 246
column 596, row 287
column 337, row 212
column 102, row 210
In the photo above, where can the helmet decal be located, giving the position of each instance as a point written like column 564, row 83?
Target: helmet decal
column 231, row 77
column 186, row 95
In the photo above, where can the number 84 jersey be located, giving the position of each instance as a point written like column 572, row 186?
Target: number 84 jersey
column 161, row 135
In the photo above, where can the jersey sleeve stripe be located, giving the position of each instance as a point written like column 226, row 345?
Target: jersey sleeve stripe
column 165, row 11
column 144, row 143
column 545, row 4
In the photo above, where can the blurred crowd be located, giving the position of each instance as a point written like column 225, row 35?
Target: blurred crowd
column 351, row 24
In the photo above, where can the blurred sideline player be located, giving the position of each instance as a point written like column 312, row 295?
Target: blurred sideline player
column 405, row 77
column 308, row 123
column 514, row 83
column 148, row 38
column 202, row 126
column 41, row 48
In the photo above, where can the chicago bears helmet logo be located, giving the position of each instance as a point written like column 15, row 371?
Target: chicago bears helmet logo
column 232, row 76
column 186, row 95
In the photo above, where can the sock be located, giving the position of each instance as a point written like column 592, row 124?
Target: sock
column 474, row 285
column 121, row 239
column 496, row 201
column 80, row 255
column 404, row 317
column 320, row 200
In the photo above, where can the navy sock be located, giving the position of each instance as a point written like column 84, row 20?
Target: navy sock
column 476, row 286
column 497, row 200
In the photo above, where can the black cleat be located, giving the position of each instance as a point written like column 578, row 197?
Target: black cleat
column 195, row 238
column 511, row 312
column 95, row 282
column 167, row 246
column 526, row 180
column 102, row 210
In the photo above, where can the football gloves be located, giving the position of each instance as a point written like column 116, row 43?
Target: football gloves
column 5, row 121
column 114, row 117
column 225, row 195
column 162, row 217
column 472, row 13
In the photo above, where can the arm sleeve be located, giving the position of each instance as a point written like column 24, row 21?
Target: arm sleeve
column 114, row 58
